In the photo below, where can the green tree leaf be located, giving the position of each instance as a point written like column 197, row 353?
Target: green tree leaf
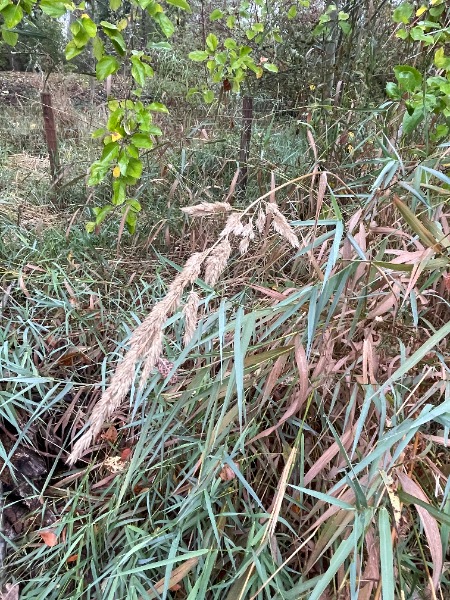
column 98, row 48
column 10, row 37
column 134, row 204
column 230, row 44
column 346, row 27
column 411, row 121
column 110, row 152
column 142, row 140
column 131, row 221
column 12, row 14
column 212, row 42
column 208, row 96
column 403, row 13
column 440, row 60
column 72, row 50
column 53, row 9
column 216, row 15
column 180, row 4
column 134, row 168
column 158, row 107
column 292, row 12
column 97, row 173
column 106, row 66
column 119, row 191
column 409, row 78
column 417, row 34
column 154, row 130
column 198, row 55
column 138, row 71
column 165, row 24
column 89, row 26
column 270, row 67
column 159, row 46
column 393, row 91
column 403, row 34
column 116, row 39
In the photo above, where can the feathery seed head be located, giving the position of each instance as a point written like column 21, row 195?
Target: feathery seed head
column 217, row 261
column 206, row 209
column 190, row 312
column 281, row 225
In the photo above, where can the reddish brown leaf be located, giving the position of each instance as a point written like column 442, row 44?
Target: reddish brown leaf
column 140, row 489
column 23, row 287
column 110, row 435
column 227, row 473
column 125, row 454
column 446, row 279
column 49, row 537
column 72, row 558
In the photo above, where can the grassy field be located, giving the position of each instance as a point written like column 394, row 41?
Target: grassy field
column 291, row 438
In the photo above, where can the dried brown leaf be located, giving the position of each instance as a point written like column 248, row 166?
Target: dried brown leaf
column 10, row 592
column 299, row 396
column 429, row 524
column 177, row 575
column 49, row 537
column 328, row 455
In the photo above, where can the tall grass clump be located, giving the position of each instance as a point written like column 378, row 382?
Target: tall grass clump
column 290, row 449
column 260, row 411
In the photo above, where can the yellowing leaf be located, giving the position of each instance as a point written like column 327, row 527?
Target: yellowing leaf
column 115, row 136
column 116, row 171
column 421, row 10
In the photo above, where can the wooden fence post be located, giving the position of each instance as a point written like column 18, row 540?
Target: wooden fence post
column 246, row 137
column 50, row 135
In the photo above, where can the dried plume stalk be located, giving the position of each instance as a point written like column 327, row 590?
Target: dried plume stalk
column 281, row 225
column 243, row 245
column 205, row 209
column 190, row 312
column 233, row 225
column 145, row 345
column 260, row 220
column 247, row 235
column 217, row 261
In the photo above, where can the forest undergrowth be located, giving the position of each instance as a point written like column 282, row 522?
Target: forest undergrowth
column 284, row 434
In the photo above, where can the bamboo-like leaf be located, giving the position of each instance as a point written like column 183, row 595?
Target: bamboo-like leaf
column 417, row 226
column 386, row 555
column 341, row 554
